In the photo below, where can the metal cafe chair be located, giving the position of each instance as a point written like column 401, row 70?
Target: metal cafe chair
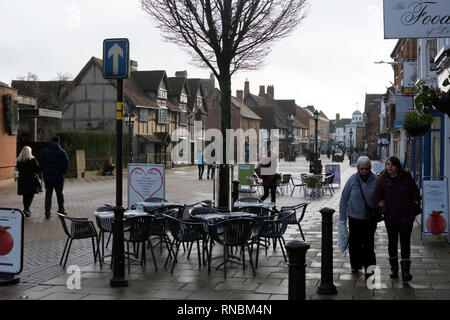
column 294, row 219
column 285, row 182
column 105, row 226
column 297, row 182
column 80, row 228
column 139, row 232
column 249, row 199
column 235, row 232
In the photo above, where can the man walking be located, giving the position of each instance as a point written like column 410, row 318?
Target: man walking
column 54, row 163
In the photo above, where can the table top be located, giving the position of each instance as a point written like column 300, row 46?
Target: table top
column 222, row 216
column 268, row 205
column 127, row 214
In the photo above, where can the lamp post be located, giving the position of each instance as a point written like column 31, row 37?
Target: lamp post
column 316, row 165
column 290, row 138
column 351, row 147
column 129, row 120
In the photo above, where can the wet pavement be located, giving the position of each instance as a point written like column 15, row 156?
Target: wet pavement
column 43, row 277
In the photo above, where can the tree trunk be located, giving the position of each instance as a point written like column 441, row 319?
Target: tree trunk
column 224, row 187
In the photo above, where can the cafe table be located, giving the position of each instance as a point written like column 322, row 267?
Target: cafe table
column 152, row 206
column 266, row 205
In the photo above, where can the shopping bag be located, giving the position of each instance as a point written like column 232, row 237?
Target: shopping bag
column 342, row 235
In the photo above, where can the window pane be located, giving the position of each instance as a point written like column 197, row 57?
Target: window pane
column 436, row 123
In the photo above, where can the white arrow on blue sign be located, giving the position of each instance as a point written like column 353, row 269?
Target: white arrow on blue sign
column 116, row 58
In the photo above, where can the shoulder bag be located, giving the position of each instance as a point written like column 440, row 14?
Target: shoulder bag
column 373, row 214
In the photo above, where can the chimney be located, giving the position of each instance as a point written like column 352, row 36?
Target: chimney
column 240, row 95
column 262, row 90
column 212, row 78
column 338, row 117
column 271, row 91
column 133, row 65
column 246, row 88
column 181, row 74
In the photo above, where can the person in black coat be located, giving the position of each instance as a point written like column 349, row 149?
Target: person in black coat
column 29, row 182
column 54, row 164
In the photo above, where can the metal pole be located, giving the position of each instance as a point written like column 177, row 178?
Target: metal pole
column 297, row 281
column 316, row 158
column 118, row 254
column 326, row 282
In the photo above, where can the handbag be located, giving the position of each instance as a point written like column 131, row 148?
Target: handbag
column 342, row 235
column 373, row 214
column 38, row 182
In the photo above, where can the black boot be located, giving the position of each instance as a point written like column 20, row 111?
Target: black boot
column 406, row 276
column 394, row 267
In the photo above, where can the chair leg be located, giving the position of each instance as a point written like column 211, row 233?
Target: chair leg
column 251, row 261
column 301, row 231
column 67, row 254
column 210, row 255
column 225, row 262
column 171, row 247
column 93, row 250
column 98, row 251
column 257, row 253
column 282, row 249
column 64, row 252
column 199, row 258
column 175, row 259
column 128, row 254
column 189, row 252
column 109, row 238
column 243, row 258
column 153, row 255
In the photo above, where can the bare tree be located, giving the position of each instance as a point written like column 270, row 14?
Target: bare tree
column 226, row 35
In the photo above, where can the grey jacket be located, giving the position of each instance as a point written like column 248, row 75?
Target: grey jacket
column 352, row 203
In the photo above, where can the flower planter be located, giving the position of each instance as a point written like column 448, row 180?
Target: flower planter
column 443, row 104
column 418, row 130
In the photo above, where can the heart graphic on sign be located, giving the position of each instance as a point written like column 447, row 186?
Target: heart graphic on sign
column 146, row 184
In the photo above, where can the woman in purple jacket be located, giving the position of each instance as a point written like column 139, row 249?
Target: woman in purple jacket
column 398, row 198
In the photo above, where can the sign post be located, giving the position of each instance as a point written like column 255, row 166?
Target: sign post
column 116, row 62
column 11, row 245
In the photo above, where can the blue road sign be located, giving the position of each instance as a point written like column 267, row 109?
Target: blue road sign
column 116, row 58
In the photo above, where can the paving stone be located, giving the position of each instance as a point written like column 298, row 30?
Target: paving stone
column 171, row 294
column 64, row 296
column 209, row 295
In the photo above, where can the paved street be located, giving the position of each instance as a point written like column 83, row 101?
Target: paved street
column 43, row 278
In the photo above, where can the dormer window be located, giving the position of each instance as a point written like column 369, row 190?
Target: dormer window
column 183, row 98
column 162, row 94
column 162, row 115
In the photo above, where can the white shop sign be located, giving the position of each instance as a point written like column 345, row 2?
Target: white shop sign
column 11, row 241
column 145, row 181
column 416, row 19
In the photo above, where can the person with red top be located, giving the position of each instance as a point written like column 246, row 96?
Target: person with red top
column 398, row 198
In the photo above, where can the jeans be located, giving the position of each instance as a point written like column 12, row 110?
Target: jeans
column 405, row 240
column 27, row 200
column 58, row 186
column 361, row 243
column 201, row 169
column 212, row 170
column 273, row 191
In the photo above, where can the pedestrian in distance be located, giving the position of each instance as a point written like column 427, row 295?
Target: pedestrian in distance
column 54, row 164
column 200, row 164
column 398, row 198
column 211, row 172
column 108, row 167
column 29, row 181
column 267, row 171
column 357, row 192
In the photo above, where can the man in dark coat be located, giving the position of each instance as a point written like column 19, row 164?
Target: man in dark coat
column 54, row 163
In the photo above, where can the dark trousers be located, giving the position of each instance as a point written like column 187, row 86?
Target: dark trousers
column 405, row 240
column 27, row 200
column 58, row 186
column 361, row 243
column 211, row 170
column 201, row 169
column 273, row 192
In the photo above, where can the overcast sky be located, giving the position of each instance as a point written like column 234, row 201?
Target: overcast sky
column 327, row 62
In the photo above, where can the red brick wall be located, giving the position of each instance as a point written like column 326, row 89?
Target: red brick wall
column 7, row 143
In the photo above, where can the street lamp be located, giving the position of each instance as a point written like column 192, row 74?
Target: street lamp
column 351, row 146
column 316, row 165
column 129, row 120
column 290, row 138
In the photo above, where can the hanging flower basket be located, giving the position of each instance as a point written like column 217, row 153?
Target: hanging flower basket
column 443, row 103
column 418, row 130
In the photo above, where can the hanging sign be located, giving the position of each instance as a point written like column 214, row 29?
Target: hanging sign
column 11, row 241
column 435, row 207
column 405, row 19
column 145, row 181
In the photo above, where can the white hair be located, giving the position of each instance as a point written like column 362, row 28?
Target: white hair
column 25, row 154
column 363, row 160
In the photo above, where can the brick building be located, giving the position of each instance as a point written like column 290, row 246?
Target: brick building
column 8, row 141
column 372, row 121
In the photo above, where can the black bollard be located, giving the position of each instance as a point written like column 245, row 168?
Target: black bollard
column 296, row 252
column 326, row 282
column 118, row 252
